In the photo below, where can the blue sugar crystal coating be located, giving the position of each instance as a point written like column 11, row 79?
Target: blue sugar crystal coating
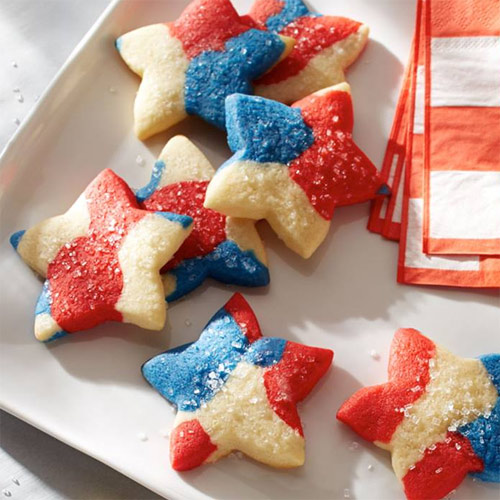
column 265, row 131
column 44, row 300
column 227, row 264
column 184, row 220
column 266, row 351
column 149, row 189
column 16, row 238
column 214, row 75
column 484, row 433
column 57, row 335
column 43, row 307
column 189, row 376
column 192, row 376
column 292, row 9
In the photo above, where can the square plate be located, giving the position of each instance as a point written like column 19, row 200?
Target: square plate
column 87, row 389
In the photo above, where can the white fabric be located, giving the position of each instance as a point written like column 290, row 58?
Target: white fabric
column 418, row 119
column 465, row 204
column 465, row 71
column 415, row 258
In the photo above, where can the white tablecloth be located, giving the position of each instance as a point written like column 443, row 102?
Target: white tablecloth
column 36, row 37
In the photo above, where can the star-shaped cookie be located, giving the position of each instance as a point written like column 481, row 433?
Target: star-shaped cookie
column 224, row 248
column 439, row 416
column 101, row 260
column 237, row 390
column 189, row 66
column 293, row 165
column 324, row 47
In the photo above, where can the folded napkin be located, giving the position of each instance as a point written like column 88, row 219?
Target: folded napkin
column 462, row 134
column 386, row 212
column 418, row 140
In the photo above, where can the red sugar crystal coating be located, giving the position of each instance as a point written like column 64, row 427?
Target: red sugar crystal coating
column 190, row 445
column 441, row 470
column 243, row 314
column 371, row 411
column 262, row 10
column 312, row 35
column 333, row 171
column 206, row 25
column 209, row 226
column 85, row 276
column 292, row 379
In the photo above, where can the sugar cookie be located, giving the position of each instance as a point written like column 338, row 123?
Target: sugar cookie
column 189, row 66
column 324, row 47
column 439, row 416
column 293, row 165
column 101, row 260
column 224, row 248
column 237, row 390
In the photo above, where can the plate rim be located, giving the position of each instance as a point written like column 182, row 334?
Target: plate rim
column 49, row 90
column 14, row 138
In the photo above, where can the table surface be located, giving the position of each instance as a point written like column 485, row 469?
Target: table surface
column 36, row 38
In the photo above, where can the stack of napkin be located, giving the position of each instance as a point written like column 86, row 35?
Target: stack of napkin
column 443, row 155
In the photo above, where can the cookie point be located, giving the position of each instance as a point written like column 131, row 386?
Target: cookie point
column 238, row 301
column 142, row 194
column 147, row 371
column 16, row 238
column 190, row 445
column 339, row 87
column 384, row 190
column 141, row 129
column 232, row 99
column 46, row 329
column 184, row 220
column 364, row 29
column 288, row 45
column 57, row 335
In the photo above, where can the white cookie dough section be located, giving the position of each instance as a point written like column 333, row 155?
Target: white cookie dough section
column 240, row 418
column 45, row 327
column 244, row 233
column 458, row 391
column 323, row 70
column 40, row 244
column 169, row 283
column 183, row 162
column 253, row 190
column 159, row 59
column 150, row 244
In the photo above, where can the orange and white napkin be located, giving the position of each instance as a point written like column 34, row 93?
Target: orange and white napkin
column 451, row 204
column 386, row 212
column 462, row 139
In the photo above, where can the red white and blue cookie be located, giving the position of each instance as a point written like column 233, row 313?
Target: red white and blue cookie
column 293, row 165
column 224, row 248
column 101, row 260
column 324, row 47
column 189, row 66
column 237, row 390
column 439, row 416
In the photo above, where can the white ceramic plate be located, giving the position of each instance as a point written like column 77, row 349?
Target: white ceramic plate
column 87, row 389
